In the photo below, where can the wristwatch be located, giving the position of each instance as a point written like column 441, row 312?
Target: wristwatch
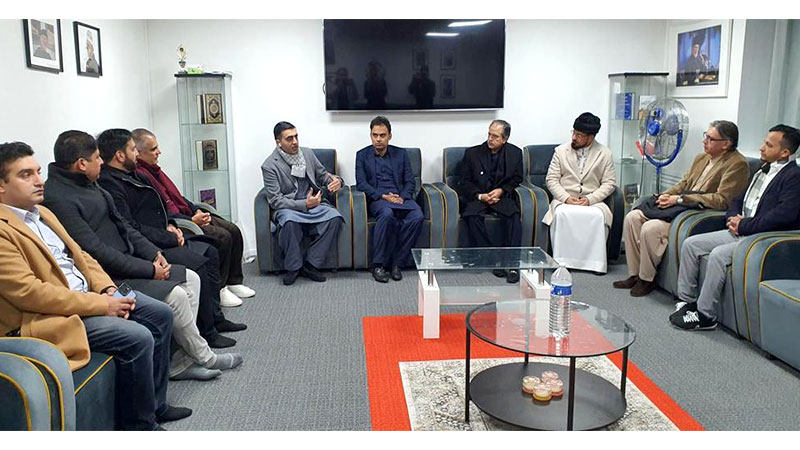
column 680, row 200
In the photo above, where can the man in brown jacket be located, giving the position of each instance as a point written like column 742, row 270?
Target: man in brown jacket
column 50, row 289
column 720, row 172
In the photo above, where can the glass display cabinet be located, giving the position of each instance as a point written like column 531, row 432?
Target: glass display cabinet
column 629, row 95
column 206, row 141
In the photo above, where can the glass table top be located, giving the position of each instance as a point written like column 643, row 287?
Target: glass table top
column 523, row 326
column 532, row 258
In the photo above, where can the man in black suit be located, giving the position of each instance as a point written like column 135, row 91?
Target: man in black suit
column 771, row 203
column 383, row 174
column 491, row 173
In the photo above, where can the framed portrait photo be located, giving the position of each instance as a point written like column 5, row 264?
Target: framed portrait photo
column 87, row 50
column 449, row 59
column 448, row 86
column 699, row 55
column 419, row 58
column 43, row 44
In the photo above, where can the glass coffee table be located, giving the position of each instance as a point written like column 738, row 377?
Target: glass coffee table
column 588, row 402
column 530, row 261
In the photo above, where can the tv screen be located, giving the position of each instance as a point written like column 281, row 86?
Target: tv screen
column 373, row 65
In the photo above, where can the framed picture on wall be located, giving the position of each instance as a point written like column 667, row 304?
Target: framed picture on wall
column 43, row 44
column 448, row 86
column 699, row 55
column 87, row 50
column 448, row 59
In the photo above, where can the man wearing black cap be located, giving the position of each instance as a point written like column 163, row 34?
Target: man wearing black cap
column 491, row 173
column 581, row 175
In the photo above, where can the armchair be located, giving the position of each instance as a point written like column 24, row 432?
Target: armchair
column 269, row 255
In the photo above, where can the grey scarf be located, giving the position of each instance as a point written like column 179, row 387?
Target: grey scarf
column 297, row 162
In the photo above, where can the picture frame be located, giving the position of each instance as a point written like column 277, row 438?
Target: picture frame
column 43, row 44
column 449, row 59
column 699, row 58
column 88, row 53
column 448, row 89
column 419, row 58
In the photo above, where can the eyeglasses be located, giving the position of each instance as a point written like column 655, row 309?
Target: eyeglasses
column 579, row 135
column 710, row 139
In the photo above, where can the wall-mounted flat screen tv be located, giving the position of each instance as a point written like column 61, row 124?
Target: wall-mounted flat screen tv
column 374, row 65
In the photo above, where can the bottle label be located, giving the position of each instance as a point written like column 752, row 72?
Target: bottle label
column 561, row 290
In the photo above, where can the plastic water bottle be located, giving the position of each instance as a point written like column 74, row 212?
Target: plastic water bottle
column 560, row 295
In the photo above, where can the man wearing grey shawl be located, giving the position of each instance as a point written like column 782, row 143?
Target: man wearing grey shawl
column 294, row 181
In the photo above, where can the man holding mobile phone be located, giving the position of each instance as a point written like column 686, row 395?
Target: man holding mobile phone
column 52, row 290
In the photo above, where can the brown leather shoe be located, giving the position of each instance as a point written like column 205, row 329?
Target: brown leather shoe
column 642, row 288
column 627, row 283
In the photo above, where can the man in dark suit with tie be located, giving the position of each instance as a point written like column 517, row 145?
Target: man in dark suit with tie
column 771, row 203
column 383, row 174
column 491, row 173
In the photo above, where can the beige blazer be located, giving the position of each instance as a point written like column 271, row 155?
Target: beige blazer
column 727, row 180
column 597, row 182
column 35, row 295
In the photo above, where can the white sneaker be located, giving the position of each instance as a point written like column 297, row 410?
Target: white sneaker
column 241, row 290
column 228, row 299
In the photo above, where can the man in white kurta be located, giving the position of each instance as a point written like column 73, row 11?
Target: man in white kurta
column 581, row 175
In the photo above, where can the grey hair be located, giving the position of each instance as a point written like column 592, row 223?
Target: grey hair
column 506, row 127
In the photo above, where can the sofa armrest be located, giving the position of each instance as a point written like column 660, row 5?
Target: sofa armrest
column 360, row 226
column 189, row 226
column 50, row 382
column 343, row 203
column 452, row 214
column 207, row 208
column 541, row 203
column 263, row 218
column 431, row 202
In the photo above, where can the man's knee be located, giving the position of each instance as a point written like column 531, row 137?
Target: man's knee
column 650, row 229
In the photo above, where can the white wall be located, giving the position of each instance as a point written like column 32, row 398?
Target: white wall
column 554, row 71
column 790, row 111
column 38, row 106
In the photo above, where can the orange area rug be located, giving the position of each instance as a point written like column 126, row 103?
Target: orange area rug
column 389, row 340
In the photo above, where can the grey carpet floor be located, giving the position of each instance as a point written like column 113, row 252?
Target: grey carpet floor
column 304, row 363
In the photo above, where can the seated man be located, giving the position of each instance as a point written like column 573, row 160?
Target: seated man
column 383, row 174
column 491, row 173
column 52, row 290
column 716, row 177
column 139, row 204
column 294, row 180
column 226, row 235
column 771, row 203
column 581, row 174
column 91, row 219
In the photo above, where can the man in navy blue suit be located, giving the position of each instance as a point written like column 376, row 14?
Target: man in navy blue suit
column 771, row 203
column 383, row 174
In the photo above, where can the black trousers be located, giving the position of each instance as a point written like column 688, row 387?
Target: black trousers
column 479, row 236
column 230, row 245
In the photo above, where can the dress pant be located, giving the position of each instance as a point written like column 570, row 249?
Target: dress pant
column 324, row 235
column 209, row 312
column 230, row 245
column 184, row 300
column 395, row 232
column 141, row 350
column 719, row 246
column 645, row 243
column 479, row 236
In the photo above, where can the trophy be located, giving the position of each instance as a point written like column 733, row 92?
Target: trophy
column 182, row 58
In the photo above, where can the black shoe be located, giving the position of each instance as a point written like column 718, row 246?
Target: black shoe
column 227, row 326
column 380, row 274
column 693, row 321
column 312, row 273
column 513, row 276
column 290, row 277
column 397, row 274
column 221, row 341
column 499, row 273
column 173, row 413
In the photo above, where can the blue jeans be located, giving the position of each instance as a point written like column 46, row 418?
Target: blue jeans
column 141, row 350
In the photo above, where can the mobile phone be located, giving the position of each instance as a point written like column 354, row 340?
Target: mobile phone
column 123, row 290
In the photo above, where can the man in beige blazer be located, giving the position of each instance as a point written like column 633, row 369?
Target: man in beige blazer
column 720, row 172
column 52, row 290
column 581, row 175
